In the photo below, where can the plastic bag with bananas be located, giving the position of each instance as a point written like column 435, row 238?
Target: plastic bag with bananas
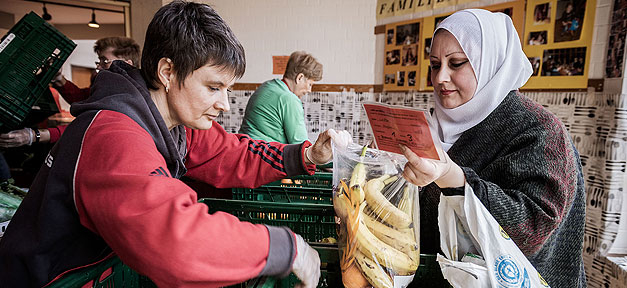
column 378, row 213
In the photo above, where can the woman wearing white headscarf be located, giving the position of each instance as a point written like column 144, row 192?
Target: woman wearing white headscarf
column 517, row 156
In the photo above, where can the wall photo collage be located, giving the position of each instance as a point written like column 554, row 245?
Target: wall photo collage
column 406, row 65
column 556, row 35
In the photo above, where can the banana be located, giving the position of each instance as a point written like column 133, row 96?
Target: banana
column 341, row 205
column 403, row 241
column 407, row 206
column 373, row 272
column 357, row 194
column 382, row 206
column 385, row 254
column 359, row 172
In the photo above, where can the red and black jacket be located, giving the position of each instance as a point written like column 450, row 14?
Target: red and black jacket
column 110, row 185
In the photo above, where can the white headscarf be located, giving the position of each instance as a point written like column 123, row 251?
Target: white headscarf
column 491, row 43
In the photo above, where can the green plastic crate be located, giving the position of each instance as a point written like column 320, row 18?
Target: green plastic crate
column 317, row 188
column 31, row 53
column 312, row 221
column 106, row 274
column 330, row 275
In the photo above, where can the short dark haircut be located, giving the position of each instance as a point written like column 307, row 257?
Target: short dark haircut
column 303, row 62
column 123, row 47
column 192, row 35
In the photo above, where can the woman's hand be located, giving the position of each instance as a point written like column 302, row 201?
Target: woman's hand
column 422, row 172
column 321, row 152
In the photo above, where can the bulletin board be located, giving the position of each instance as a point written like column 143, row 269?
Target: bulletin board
column 401, row 74
column 557, row 41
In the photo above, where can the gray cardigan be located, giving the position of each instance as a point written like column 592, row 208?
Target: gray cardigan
column 523, row 166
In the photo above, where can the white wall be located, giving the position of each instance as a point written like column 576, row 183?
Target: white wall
column 340, row 34
column 82, row 56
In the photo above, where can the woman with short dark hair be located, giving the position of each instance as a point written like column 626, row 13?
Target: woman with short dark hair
column 110, row 185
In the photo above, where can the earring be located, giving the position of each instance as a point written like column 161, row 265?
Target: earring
column 167, row 88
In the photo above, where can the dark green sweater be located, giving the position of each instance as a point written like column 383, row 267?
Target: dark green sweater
column 523, row 166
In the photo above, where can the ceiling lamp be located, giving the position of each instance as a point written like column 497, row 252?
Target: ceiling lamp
column 93, row 23
column 46, row 16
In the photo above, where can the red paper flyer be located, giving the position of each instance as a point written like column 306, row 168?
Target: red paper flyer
column 394, row 125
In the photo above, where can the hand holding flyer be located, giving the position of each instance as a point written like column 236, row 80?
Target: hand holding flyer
column 393, row 126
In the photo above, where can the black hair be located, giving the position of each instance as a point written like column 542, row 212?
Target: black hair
column 191, row 35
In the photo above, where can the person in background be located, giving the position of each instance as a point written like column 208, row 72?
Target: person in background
column 110, row 186
column 108, row 50
column 514, row 154
column 275, row 111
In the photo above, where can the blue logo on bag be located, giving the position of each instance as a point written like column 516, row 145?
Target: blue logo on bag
column 508, row 274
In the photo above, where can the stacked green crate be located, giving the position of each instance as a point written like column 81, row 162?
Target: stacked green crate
column 31, row 53
column 315, row 188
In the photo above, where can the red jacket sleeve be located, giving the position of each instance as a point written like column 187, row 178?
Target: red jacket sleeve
column 55, row 133
column 154, row 223
column 227, row 160
column 71, row 93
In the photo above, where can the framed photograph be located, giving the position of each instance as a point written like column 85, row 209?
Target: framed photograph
column 569, row 20
column 393, row 57
column 537, row 38
column 616, row 46
column 564, row 62
column 615, row 52
column 407, row 34
column 437, row 22
column 535, row 64
column 400, row 81
column 411, row 78
column 410, row 55
column 390, row 36
column 427, row 48
column 390, row 78
column 507, row 11
column 542, row 14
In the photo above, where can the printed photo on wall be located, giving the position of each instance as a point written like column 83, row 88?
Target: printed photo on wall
column 616, row 46
column 615, row 52
column 411, row 78
column 393, row 57
column 564, row 62
column 390, row 78
column 535, row 64
column 410, row 55
column 400, row 81
column 507, row 11
column 427, row 47
column 407, row 34
column 542, row 14
column 569, row 20
column 437, row 22
column 537, row 38
column 390, row 36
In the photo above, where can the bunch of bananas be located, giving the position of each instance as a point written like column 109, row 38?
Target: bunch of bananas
column 377, row 220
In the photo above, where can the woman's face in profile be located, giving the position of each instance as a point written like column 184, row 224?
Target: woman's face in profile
column 201, row 98
column 452, row 75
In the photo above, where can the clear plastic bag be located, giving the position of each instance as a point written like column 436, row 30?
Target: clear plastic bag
column 378, row 213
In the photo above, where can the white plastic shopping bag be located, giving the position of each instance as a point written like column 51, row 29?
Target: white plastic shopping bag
column 467, row 228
